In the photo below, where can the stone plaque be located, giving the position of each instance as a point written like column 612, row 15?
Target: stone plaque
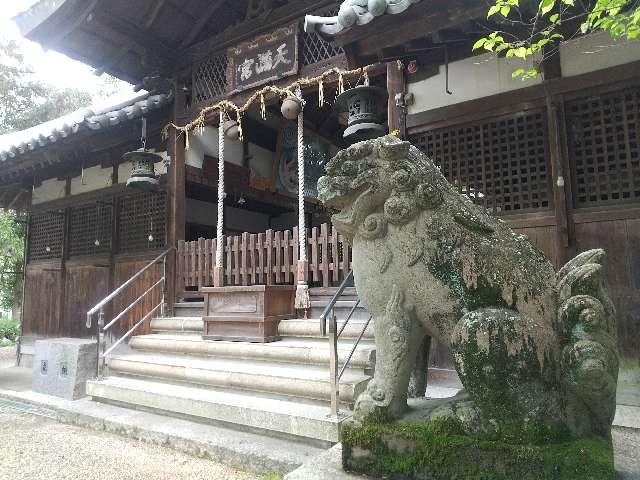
column 264, row 59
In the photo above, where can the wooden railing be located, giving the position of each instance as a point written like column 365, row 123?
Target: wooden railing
column 268, row 258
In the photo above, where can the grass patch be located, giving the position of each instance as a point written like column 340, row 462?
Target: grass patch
column 440, row 450
column 9, row 331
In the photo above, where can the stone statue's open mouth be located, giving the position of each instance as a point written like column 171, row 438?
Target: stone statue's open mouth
column 352, row 208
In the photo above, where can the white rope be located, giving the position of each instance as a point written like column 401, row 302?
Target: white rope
column 302, row 229
column 220, row 223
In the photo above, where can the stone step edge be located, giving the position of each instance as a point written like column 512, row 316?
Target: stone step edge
column 362, row 358
column 326, row 429
column 253, row 452
column 308, row 388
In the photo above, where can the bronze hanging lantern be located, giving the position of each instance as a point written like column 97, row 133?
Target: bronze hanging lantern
column 143, row 175
column 364, row 104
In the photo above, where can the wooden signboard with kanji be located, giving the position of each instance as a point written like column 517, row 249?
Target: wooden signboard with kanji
column 264, row 59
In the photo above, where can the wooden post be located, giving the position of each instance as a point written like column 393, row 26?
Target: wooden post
column 559, row 176
column 396, row 111
column 176, row 198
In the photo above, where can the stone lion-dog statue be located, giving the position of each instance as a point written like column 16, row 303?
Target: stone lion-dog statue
column 530, row 344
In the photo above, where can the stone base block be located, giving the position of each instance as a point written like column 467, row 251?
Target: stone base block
column 61, row 366
column 440, row 450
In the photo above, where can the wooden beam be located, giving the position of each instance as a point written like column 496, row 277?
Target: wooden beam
column 233, row 35
column 62, row 33
column 559, row 177
column 176, row 197
column 142, row 37
column 204, row 19
column 154, row 13
column 396, row 111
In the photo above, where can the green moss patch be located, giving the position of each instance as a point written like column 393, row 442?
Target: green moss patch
column 440, row 450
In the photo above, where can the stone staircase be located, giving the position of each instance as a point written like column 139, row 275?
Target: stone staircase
column 280, row 387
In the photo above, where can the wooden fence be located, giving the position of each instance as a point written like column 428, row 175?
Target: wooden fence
column 268, row 258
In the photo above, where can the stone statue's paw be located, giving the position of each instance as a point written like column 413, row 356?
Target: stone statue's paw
column 372, row 402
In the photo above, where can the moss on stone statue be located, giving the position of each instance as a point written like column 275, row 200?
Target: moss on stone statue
column 440, row 450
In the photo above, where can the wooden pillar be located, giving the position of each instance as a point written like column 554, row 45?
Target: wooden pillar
column 396, row 111
column 560, row 176
column 176, row 198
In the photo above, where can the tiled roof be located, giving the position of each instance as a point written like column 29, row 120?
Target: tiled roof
column 82, row 121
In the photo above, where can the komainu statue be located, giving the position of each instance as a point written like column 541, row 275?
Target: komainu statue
column 532, row 346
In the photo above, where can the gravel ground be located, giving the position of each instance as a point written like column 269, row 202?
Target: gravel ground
column 37, row 448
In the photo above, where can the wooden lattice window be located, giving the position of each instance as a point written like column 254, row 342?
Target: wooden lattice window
column 210, row 78
column 46, row 234
column 604, row 147
column 501, row 163
column 314, row 48
column 90, row 228
column 142, row 222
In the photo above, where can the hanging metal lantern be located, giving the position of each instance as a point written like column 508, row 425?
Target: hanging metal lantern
column 364, row 105
column 143, row 175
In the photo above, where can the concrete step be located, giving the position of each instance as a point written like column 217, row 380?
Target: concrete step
column 302, row 351
column 304, row 419
column 190, row 325
column 341, row 308
column 308, row 381
column 299, row 327
column 188, row 309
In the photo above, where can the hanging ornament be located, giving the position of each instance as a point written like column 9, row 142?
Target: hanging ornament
column 291, row 107
column 320, row 93
column 239, row 120
column 231, row 129
column 263, row 107
column 340, row 84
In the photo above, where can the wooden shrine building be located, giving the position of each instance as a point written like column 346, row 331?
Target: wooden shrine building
column 557, row 157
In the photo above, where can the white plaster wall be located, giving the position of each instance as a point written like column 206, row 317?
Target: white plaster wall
column 94, row 178
column 596, row 51
column 48, row 190
column 207, row 144
column 261, row 161
column 469, row 79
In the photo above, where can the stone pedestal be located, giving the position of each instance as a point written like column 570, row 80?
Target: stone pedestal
column 61, row 366
column 246, row 313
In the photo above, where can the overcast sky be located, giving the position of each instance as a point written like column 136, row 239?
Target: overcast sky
column 49, row 66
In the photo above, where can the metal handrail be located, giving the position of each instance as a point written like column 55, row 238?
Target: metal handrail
column 100, row 307
column 113, row 294
column 334, row 335
column 332, row 302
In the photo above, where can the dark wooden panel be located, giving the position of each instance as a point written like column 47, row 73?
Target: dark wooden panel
column 123, row 271
column 85, row 285
column 620, row 239
column 42, row 301
column 545, row 239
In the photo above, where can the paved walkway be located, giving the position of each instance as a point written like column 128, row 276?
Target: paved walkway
column 38, row 448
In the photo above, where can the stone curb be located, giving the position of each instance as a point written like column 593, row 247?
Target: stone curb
column 250, row 452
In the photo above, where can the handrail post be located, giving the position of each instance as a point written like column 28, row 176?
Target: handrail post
column 163, row 301
column 333, row 363
column 101, row 345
